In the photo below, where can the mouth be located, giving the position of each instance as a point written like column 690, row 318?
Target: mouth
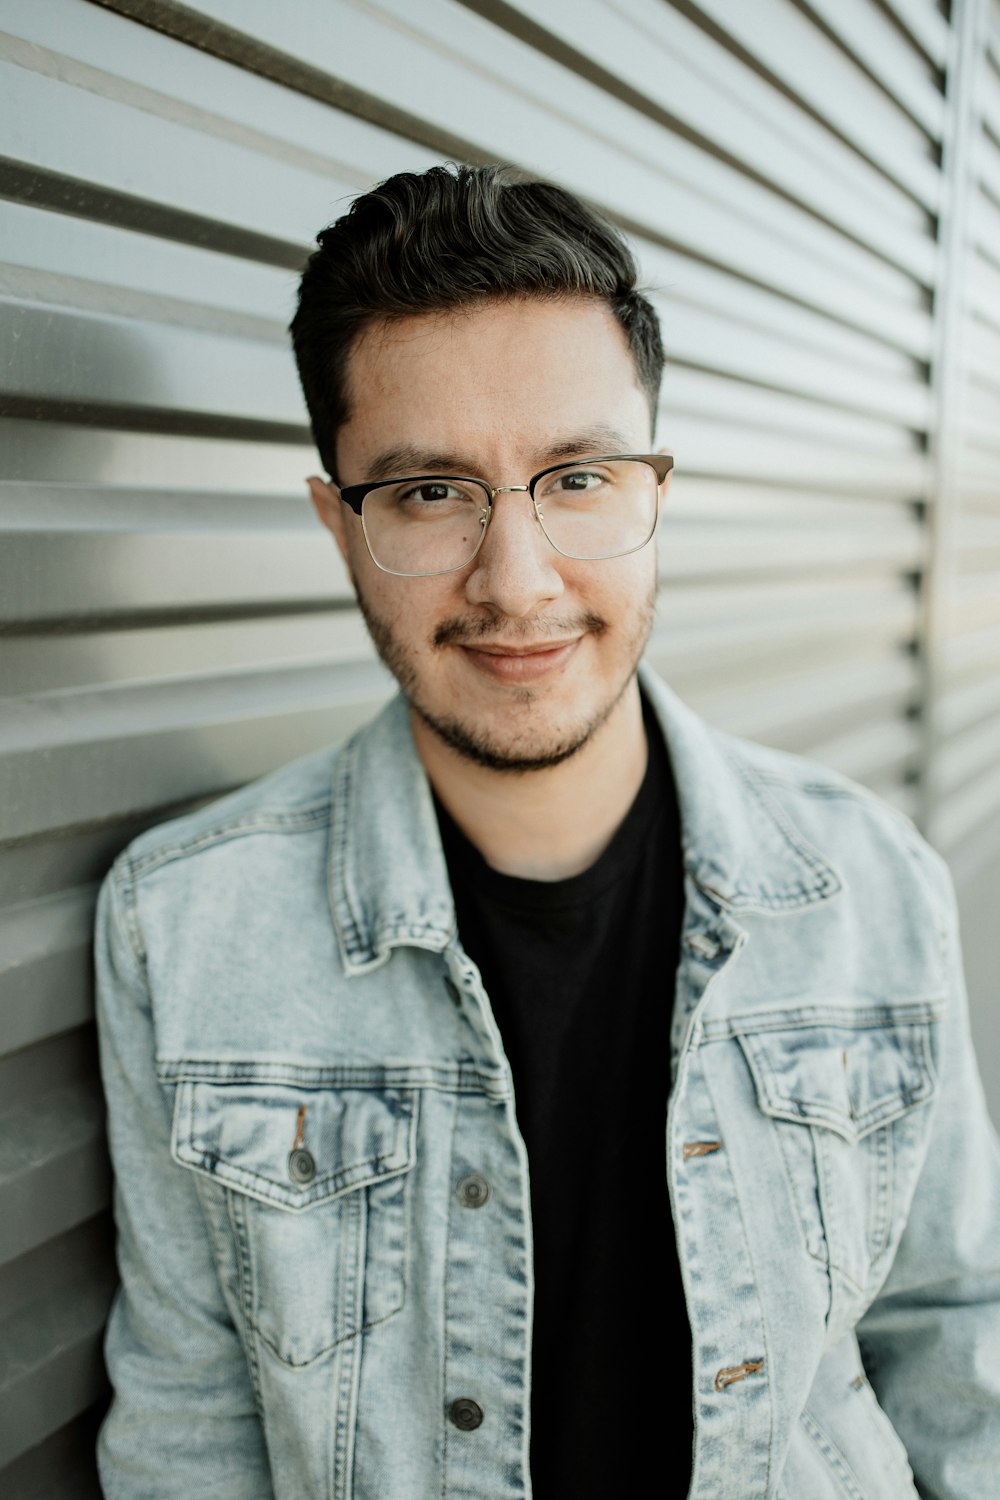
column 520, row 663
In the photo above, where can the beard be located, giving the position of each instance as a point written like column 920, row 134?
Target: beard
column 475, row 743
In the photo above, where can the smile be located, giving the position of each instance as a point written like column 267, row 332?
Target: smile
column 521, row 663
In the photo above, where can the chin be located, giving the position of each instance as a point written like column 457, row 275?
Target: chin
column 516, row 753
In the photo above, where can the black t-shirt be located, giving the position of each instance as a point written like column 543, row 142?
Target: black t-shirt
column 580, row 974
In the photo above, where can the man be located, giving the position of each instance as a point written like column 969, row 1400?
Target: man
column 541, row 1067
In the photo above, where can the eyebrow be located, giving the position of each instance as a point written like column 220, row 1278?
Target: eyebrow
column 406, row 459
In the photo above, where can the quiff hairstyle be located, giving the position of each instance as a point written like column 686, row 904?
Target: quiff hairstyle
column 449, row 238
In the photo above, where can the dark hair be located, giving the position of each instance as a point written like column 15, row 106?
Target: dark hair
column 448, row 238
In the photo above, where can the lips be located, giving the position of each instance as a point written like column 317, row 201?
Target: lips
column 521, row 663
column 497, row 648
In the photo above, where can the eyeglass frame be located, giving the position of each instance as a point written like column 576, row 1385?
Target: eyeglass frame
column 353, row 495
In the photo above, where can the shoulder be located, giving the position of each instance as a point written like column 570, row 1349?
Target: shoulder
column 858, row 831
column 293, row 799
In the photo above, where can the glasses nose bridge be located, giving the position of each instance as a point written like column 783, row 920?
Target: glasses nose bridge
column 507, row 489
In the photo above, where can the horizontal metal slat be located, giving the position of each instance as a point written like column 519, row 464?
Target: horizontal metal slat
column 969, row 705
column 54, row 1171
column 978, row 535
column 928, row 27
column 882, row 755
column 47, row 661
column 62, row 859
column 673, row 277
column 664, row 59
column 68, row 758
column 975, row 606
column 973, row 651
column 694, row 500
column 74, row 453
column 689, row 49
column 785, row 41
column 52, row 576
column 80, row 359
column 54, row 128
column 45, row 971
column 712, row 396
column 985, row 227
column 715, row 341
column 766, row 631
column 62, row 1467
column 983, row 290
column 971, row 758
column 687, row 196
column 742, row 553
column 802, row 708
column 737, row 452
column 969, row 816
column 986, row 163
column 54, row 1354
column 107, row 54
column 874, row 41
column 197, row 279
column 53, row 1304
column 991, row 83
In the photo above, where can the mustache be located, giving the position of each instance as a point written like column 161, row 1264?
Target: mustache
column 466, row 631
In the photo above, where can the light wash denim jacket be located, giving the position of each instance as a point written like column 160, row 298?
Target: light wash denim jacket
column 280, row 973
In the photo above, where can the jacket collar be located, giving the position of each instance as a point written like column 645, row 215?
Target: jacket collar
column 739, row 845
column 388, row 879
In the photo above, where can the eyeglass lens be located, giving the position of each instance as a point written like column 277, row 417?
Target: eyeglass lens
column 434, row 524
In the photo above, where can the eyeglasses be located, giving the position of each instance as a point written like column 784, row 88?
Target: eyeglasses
column 589, row 510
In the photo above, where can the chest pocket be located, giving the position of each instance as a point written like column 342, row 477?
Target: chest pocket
column 311, row 1184
column 847, row 1099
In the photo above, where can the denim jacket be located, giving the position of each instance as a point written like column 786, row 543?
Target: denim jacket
column 307, row 1091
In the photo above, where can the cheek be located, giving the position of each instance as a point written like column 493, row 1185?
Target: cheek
column 410, row 608
column 623, row 591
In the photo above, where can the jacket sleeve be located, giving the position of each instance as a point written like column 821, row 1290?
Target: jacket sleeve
column 183, row 1420
column 931, row 1339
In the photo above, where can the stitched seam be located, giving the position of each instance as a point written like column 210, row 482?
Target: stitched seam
column 803, row 1018
column 255, row 1185
column 820, row 868
column 765, row 1335
column 238, row 1228
column 830, row 1214
column 305, row 821
column 882, row 1149
column 123, row 898
column 345, row 1416
column 461, row 1080
column 835, row 1460
column 350, row 928
column 798, row 1205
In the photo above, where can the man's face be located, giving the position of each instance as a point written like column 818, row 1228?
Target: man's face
column 517, row 659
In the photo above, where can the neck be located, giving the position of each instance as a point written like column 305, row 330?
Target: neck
column 548, row 824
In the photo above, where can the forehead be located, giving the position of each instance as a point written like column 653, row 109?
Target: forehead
column 526, row 367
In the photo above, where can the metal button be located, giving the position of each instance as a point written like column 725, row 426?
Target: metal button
column 473, row 1190
column 703, row 943
column 301, row 1165
column 466, row 1414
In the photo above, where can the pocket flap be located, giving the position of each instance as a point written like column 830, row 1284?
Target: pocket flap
column 243, row 1134
column 847, row 1078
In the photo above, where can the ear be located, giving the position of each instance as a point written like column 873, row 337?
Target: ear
column 329, row 507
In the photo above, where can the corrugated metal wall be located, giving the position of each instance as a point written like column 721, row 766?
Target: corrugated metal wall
column 814, row 191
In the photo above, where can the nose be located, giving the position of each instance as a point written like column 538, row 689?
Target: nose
column 515, row 570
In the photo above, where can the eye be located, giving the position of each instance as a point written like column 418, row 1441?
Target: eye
column 429, row 492
column 573, row 481
column 578, row 479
